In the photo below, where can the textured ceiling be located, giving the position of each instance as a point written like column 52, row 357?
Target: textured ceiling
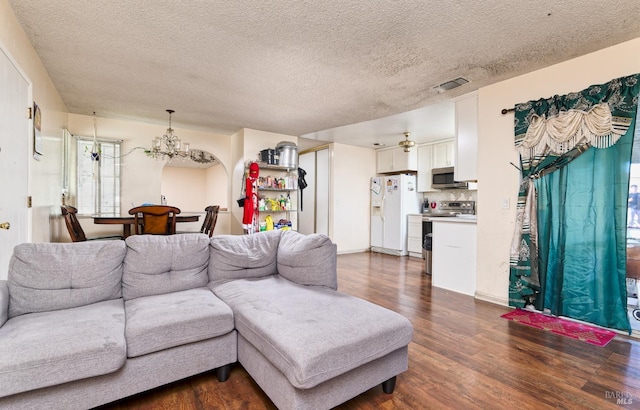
column 304, row 68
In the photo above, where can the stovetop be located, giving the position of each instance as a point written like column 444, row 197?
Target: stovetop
column 451, row 208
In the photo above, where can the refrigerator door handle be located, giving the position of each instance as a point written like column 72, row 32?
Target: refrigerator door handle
column 382, row 205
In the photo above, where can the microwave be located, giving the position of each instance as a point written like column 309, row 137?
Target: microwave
column 442, row 178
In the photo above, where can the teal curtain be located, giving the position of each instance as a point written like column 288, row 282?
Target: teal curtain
column 551, row 135
column 582, row 212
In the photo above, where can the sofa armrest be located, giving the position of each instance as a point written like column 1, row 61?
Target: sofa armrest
column 4, row 302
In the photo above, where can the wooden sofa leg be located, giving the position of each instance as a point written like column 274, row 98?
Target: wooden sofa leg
column 389, row 385
column 222, row 373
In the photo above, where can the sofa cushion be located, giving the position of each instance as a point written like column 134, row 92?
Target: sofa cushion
column 311, row 334
column 159, row 322
column 156, row 264
column 243, row 256
column 50, row 348
column 50, row 276
column 308, row 259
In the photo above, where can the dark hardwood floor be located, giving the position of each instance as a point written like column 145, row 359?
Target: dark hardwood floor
column 463, row 356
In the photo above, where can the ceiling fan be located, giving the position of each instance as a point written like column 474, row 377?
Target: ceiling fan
column 407, row 144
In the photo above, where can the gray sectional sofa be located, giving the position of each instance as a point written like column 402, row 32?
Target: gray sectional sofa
column 84, row 324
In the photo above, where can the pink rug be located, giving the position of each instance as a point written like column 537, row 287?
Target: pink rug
column 590, row 334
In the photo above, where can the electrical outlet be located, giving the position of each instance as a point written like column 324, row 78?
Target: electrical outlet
column 505, row 203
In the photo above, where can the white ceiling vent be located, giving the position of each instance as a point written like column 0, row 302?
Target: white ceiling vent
column 450, row 85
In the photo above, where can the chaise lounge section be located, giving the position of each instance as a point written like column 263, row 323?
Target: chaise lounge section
column 305, row 344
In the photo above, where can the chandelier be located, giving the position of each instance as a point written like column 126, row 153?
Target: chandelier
column 173, row 146
column 407, row 144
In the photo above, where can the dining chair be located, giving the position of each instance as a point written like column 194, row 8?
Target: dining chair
column 209, row 223
column 210, row 219
column 154, row 219
column 75, row 229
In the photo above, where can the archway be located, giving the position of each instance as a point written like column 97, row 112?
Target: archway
column 192, row 185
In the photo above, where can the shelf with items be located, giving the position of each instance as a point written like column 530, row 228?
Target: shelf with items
column 280, row 204
column 277, row 211
column 269, row 225
column 278, row 183
column 264, row 165
column 276, row 190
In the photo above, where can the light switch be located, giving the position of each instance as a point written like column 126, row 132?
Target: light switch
column 505, row 203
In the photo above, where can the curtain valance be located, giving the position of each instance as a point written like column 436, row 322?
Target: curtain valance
column 561, row 134
column 597, row 116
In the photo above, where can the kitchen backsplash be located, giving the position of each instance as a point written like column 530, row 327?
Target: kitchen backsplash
column 451, row 195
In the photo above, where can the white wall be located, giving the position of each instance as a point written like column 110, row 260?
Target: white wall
column 349, row 220
column 193, row 189
column 216, row 181
column 497, row 179
column 45, row 183
column 185, row 188
column 237, row 172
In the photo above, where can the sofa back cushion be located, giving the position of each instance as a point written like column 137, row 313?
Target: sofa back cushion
column 53, row 276
column 158, row 264
column 243, row 256
column 308, row 259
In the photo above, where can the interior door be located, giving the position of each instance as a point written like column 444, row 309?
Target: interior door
column 314, row 216
column 307, row 215
column 322, row 191
column 14, row 153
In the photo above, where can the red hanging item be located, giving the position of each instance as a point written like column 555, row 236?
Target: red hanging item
column 250, row 217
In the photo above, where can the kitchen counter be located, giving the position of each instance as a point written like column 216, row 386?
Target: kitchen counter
column 454, row 254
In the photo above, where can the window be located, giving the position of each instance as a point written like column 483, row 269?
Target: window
column 97, row 182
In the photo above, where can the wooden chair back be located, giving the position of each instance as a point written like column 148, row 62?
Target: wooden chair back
column 210, row 219
column 73, row 225
column 154, row 219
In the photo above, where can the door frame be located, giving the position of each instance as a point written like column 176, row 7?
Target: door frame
column 23, row 223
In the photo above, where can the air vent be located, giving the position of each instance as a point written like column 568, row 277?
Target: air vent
column 450, row 85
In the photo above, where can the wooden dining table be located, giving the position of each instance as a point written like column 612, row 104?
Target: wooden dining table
column 128, row 220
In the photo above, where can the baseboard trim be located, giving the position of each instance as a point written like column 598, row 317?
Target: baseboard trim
column 395, row 252
column 492, row 299
column 352, row 251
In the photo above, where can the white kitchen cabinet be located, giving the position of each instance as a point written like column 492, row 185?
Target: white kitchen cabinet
column 443, row 154
column 431, row 156
column 395, row 160
column 454, row 250
column 425, row 161
column 466, row 138
column 384, row 161
column 414, row 235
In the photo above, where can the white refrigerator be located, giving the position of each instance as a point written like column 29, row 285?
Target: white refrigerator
column 393, row 198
